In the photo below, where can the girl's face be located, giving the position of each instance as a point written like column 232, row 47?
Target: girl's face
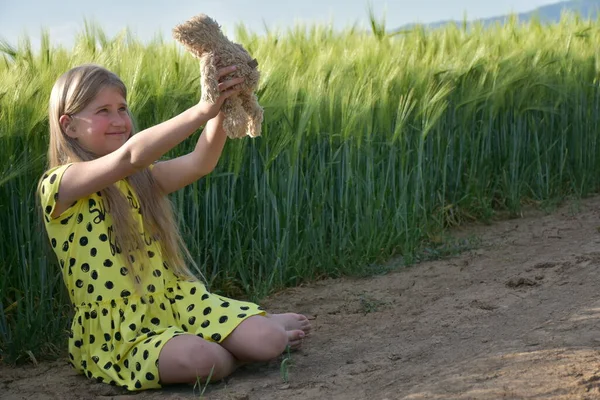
column 103, row 126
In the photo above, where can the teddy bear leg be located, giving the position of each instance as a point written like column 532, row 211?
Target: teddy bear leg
column 254, row 114
column 235, row 118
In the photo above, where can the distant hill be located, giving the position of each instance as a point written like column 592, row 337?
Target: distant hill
column 551, row 13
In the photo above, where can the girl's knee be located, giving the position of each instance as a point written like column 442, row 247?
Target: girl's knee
column 192, row 358
column 208, row 359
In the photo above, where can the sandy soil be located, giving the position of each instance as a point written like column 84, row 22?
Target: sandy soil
column 516, row 318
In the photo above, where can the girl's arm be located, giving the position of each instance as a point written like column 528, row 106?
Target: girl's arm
column 84, row 178
column 172, row 175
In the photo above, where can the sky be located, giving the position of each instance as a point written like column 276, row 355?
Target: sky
column 146, row 19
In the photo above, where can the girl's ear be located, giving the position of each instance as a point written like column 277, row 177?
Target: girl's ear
column 67, row 125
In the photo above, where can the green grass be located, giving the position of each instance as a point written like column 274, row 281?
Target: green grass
column 202, row 387
column 284, row 366
column 371, row 146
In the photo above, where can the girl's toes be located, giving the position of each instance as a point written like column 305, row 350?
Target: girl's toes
column 295, row 335
column 295, row 345
column 302, row 318
column 306, row 326
column 295, row 339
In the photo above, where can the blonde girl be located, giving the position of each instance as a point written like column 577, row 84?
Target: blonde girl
column 141, row 319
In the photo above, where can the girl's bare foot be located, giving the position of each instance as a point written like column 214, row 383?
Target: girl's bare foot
column 292, row 321
column 295, row 338
column 297, row 327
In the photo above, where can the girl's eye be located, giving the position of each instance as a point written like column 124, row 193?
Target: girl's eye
column 123, row 109
column 102, row 110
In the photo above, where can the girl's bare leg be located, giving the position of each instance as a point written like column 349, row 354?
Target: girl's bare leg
column 187, row 358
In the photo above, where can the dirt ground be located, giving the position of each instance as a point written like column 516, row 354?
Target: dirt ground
column 518, row 317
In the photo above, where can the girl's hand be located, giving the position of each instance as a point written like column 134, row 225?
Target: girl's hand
column 226, row 89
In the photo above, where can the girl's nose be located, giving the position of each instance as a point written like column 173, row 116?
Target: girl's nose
column 119, row 120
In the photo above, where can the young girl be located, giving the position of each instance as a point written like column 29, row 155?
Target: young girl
column 141, row 319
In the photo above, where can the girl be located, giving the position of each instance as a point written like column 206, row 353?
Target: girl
column 141, row 319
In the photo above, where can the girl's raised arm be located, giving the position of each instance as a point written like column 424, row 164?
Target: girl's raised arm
column 84, row 178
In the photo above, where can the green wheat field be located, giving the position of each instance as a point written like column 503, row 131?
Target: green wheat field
column 373, row 145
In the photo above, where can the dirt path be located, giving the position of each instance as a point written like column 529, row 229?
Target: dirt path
column 517, row 318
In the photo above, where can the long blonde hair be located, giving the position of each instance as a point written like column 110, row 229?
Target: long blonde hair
column 71, row 93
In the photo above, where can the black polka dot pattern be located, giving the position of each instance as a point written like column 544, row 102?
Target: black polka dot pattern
column 117, row 333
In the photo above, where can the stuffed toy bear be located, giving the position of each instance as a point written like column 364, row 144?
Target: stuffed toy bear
column 202, row 37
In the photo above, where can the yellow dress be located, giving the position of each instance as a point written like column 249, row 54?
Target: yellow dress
column 116, row 335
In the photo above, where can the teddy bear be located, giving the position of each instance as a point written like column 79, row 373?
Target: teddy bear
column 203, row 38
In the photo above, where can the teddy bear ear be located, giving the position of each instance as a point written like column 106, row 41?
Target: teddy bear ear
column 253, row 63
